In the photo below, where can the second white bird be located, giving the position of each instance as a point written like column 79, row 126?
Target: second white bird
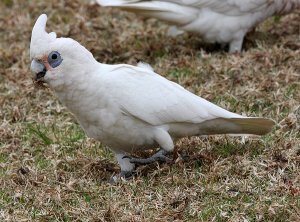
column 223, row 21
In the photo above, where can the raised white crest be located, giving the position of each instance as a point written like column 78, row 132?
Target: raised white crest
column 39, row 36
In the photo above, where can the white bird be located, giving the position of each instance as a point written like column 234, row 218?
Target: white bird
column 128, row 108
column 222, row 21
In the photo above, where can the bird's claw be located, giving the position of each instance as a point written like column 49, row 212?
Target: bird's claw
column 160, row 156
column 124, row 175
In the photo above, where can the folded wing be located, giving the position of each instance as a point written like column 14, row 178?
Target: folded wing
column 157, row 101
column 227, row 7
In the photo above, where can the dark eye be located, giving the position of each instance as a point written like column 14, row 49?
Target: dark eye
column 54, row 59
column 54, row 56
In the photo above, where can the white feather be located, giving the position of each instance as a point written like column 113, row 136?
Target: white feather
column 145, row 65
column 223, row 21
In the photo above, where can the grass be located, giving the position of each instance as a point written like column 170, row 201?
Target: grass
column 50, row 171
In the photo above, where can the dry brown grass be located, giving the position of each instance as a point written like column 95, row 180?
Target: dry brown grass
column 50, row 171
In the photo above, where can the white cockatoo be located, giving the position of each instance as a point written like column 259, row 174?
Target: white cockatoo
column 128, row 108
column 222, row 21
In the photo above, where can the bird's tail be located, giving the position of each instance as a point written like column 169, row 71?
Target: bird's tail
column 243, row 125
column 166, row 11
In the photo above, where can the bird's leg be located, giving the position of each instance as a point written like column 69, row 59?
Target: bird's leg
column 235, row 46
column 127, row 168
column 160, row 156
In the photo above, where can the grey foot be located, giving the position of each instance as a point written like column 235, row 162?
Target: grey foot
column 124, row 175
column 160, row 156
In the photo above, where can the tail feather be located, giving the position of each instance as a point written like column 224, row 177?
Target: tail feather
column 115, row 2
column 254, row 126
column 167, row 11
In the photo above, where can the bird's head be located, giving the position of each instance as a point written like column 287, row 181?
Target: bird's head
column 56, row 61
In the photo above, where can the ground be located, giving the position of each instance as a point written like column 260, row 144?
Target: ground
column 50, row 170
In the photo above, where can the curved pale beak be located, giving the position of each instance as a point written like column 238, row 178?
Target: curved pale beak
column 38, row 69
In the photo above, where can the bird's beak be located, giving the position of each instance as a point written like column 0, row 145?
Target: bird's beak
column 38, row 69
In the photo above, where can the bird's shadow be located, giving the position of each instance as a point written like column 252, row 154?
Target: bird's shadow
column 193, row 156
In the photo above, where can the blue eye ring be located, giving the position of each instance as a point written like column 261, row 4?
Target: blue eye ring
column 54, row 59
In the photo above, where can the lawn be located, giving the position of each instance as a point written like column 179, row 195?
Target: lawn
column 50, row 170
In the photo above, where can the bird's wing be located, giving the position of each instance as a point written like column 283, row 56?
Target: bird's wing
column 145, row 95
column 232, row 7
column 228, row 7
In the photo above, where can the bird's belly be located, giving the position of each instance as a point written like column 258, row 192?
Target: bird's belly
column 122, row 133
column 216, row 27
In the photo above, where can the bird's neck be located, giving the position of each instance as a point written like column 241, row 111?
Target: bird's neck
column 76, row 91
